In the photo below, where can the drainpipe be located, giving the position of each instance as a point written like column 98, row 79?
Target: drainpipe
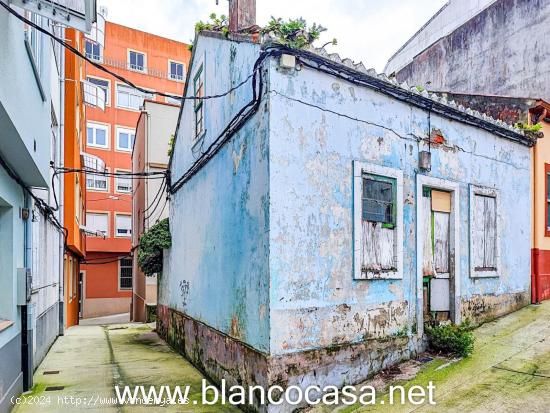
column 61, row 193
column 26, row 310
column 534, row 252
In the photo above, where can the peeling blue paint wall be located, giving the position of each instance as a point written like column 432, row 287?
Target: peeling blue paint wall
column 263, row 234
column 218, row 271
column 315, row 302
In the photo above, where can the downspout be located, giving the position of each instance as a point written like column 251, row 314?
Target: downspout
column 26, row 310
column 534, row 222
column 61, row 195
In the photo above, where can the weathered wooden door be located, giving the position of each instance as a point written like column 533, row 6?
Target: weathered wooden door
column 436, row 252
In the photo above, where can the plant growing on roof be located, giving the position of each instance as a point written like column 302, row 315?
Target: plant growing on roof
column 537, row 127
column 218, row 24
column 151, row 245
column 294, row 32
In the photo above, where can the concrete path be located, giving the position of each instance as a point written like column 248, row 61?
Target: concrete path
column 509, row 371
column 110, row 319
column 83, row 367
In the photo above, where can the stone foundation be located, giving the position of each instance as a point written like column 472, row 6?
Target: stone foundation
column 482, row 308
column 221, row 357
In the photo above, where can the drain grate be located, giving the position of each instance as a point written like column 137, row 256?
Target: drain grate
column 54, row 388
column 47, row 373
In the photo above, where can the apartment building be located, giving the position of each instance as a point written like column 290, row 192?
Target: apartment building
column 155, row 127
column 155, row 64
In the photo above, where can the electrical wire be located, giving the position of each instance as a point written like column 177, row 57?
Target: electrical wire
column 40, row 204
column 340, row 71
column 164, row 207
column 234, row 125
column 110, row 72
column 150, row 214
column 154, row 210
column 159, row 192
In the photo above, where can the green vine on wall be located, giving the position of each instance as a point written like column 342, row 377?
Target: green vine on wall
column 151, row 246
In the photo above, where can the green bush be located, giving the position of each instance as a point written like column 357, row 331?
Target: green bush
column 293, row 33
column 151, row 245
column 451, row 339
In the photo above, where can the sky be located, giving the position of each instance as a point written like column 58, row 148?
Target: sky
column 367, row 30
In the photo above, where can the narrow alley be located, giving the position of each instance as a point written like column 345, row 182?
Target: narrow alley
column 89, row 361
column 508, row 371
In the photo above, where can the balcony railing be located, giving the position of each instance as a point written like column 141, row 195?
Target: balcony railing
column 124, row 65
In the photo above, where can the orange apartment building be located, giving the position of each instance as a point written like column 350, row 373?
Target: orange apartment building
column 74, row 191
column 153, row 63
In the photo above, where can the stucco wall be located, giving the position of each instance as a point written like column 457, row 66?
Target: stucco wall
column 218, row 272
column 314, row 300
column 501, row 51
column 452, row 15
column 22, row 107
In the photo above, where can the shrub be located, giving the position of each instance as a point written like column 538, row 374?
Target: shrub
column 151, row 245
column 451, row 339
column 537, row 127
column 294, row 32
column 218, row 24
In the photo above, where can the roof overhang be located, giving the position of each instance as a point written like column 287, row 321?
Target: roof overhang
column 78, row 14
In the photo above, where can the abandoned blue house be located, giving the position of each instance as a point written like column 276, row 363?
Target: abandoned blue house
column 321, row 214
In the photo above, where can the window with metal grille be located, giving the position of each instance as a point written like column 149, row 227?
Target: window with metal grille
column 125, row 274
column 379, row 200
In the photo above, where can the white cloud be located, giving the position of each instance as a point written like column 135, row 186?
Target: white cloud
column 367, row 30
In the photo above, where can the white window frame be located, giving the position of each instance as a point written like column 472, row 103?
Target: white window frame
column 198, row 105
column 93, row 57
column 359, row 170
column 134, row 92
column 175, row 79
column 144, row 70
column 128, row 130
column 102, row 126
column 119, row 214
column 107, row 233
column 94, row 176
column 108, row 94
column 117, row 180
column 494, row 193
column 120, row 288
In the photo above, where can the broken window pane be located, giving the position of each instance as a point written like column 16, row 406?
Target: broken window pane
column 378, row 200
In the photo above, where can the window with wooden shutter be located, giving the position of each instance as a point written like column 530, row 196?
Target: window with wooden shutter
column 484, row 251
column 377, row 222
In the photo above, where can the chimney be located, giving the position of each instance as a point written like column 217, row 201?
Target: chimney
column 242, row 15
